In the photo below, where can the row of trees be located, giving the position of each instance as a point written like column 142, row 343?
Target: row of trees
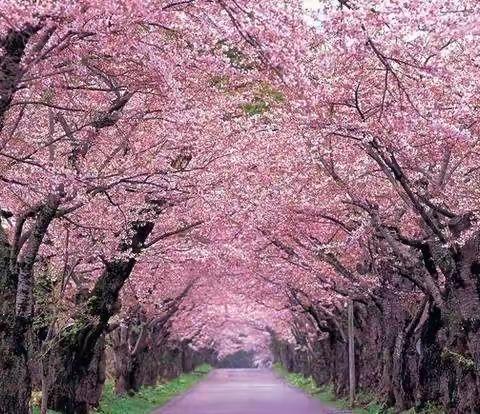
column 136, row 349
column 387, row 208
column 113, row 116
column 224, row 164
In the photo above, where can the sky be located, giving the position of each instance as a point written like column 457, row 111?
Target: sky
column 311, row 4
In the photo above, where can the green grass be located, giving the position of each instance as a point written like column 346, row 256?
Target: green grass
column 148, row 398
column 325, row 393
column 366, row 402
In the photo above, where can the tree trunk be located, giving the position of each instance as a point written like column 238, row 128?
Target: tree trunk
column 128, row 359
column 187, row 357
column 121, row 360
column 461, row 351
column 14, row 44
column 430, row 366
column 78, row 361
column 45, row 390
column 77, row 372
column 398, row 370
column 15, row 384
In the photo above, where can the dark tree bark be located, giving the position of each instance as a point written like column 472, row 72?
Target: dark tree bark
column 133, row 346
column 187, row 356
column 15, row 381
column 13, row 44
column 16, row 290
column 76, row 376
column 121, row 360
column 81, row 346
column 128, row 354
column 15, row 388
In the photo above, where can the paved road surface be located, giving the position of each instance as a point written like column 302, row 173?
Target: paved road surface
column 244, row 391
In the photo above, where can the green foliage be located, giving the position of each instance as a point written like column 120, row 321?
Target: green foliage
column 93, row 304
column 264, row 98
column 48, row 95
column 237, row 58
column 220, row 82
column 149, row 398
column 366, row 401
column 70, row 334
column 432, row 408
column 36, row 410
column 467, row 364
column 326, row 394
column 267, row 91
column 44, row 296
column 256, row 107
column 203, row 369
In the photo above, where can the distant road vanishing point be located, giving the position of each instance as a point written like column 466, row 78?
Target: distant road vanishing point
column 245, row 391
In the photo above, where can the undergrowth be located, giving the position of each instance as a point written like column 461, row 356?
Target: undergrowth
column 366, row 403
column 148, row 398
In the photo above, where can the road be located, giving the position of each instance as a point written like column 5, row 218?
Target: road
column 244, row 391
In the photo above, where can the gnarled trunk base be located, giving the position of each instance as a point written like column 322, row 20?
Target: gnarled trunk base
column 76, row 377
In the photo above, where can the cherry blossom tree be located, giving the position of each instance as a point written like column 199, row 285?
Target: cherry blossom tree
column 177, row 171
column 117, row 97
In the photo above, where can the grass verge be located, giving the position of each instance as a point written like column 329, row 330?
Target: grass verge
column 148, row 398
column 367, row 403
column 324, row 393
